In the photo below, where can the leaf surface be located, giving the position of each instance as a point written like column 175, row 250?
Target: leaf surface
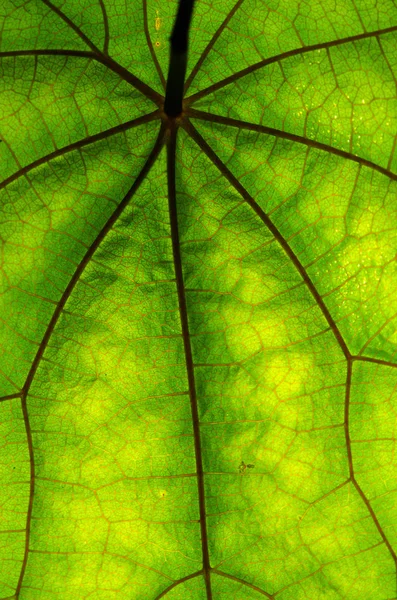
column 198, row 317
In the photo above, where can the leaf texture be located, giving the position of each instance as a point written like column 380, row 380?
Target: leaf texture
column 198, row 316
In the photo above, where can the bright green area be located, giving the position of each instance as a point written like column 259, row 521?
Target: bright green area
column 339, row 219
column 373, row 431
column 115, row 510
column 118, row 400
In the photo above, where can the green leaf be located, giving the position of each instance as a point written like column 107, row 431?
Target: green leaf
column 198, row 341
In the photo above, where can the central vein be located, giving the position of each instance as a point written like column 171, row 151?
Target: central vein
column 178, row 59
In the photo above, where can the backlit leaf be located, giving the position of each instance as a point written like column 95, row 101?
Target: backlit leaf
column 198, row 340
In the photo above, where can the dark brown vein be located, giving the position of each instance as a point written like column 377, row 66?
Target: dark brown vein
column 283, row 56
column 12, row 531
column 171, row 162
column 378, row 361
column 192, row 131
column 250, row 585
column 130, row 78
column 107, row 60
column 51, row 326
column 181, row 580
column 358, row 16
column 199, row 114
column 346, row 419
column 70, row 23
column 54, row 52
column 104, row 59
column 350, row 461
column 395, row 82
column 91, row 250
column 10, row 397
column 150, row 46
column 210, row 45
column 79, row 144
column 105, row 26
column 31, row 492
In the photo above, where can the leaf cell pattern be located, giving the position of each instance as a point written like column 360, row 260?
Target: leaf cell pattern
column 198, row 316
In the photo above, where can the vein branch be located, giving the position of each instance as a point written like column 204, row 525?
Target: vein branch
column 31, row 492
column 351, row 468
column 267, row 61
column 91, row 139
column 297, row 51
column 88, row 255
column 10, row 397
column 346, row 419
column 51, row 326
column 72, row 25
column 150, row 46
column 105, row 26
column 205, row 116
column 386, row 363
column 239, row 580
column 107, row 60
column 192, row 131
column 48, row 52
column 178, row 582
column 211, row 44
column 171, row 160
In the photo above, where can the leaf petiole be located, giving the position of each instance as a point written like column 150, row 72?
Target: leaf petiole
column 178, row 59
